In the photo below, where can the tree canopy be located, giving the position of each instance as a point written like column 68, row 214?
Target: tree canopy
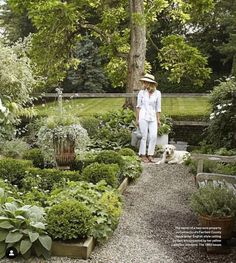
column 61, row 24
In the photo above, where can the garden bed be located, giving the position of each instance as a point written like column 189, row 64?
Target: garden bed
column 80, row 249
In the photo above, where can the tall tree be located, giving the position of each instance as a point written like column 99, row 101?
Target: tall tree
column 59, row 25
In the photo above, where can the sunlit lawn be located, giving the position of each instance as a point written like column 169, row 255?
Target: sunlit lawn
column 190, row 106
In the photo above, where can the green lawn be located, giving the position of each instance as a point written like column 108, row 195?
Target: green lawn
column 175, row 107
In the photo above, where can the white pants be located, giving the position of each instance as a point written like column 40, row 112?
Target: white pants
column 149, row 131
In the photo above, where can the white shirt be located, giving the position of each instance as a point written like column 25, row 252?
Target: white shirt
column 149, row 104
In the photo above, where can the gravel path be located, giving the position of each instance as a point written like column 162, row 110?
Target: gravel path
column 153, row 207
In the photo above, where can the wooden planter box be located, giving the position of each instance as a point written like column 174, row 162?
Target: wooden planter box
column 80, row 249
column 123, row 185
column 73, row 250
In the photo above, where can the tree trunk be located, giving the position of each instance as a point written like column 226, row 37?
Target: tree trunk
column 137, row 52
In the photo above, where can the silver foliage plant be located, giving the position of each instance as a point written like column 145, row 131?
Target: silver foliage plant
column 74, row 132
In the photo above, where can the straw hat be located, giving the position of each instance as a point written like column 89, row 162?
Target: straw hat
column 148, row 78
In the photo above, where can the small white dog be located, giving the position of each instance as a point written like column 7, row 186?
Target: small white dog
column 170, row 155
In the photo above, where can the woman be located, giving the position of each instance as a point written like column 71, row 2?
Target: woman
column 148, row 116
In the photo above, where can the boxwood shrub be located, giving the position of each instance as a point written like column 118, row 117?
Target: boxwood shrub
column 109, row 157
column 103, row 200
column 36, row 156
column 13, row 170
column 83, row 160
column 47, row 179
column 96, row 172
column 69, row 220
column 126, row 152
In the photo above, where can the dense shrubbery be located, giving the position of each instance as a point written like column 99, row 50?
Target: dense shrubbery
column 126, row 152
column 36, row 156
column 14, row 148
column 105, row 215
column 47, row 179
column 82, row 160
column 114, row 129
column 96, row 172
column 69, row 220
column 221, row 129
column 109, row 157
column 13, row 170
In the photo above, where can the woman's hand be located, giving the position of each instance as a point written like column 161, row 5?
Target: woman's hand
column 158, row 123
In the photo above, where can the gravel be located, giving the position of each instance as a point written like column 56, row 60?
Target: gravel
column 153, row 206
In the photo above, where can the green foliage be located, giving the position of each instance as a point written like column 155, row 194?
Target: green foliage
column 89, row 76
column 75, row 220
column 222, row 123
column 219, row 167
column 17, row 82
column 36, row 156
column 91, row 125
column 114, row 129
column 183, row 61
column 14, row 170
column 35, row 196
column 82, row 160
column 126, row 152
column 166, row 125
column 23, row 226
column 47, row 179
column 132, row 167
column 32, row 129
column 214, row 201
column 15, row 148
column 110, row 157
column 105, row 216
column 96, row 172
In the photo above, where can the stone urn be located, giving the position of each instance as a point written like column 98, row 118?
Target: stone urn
column 64, row 150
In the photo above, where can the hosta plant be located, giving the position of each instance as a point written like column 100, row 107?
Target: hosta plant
column 22, row 227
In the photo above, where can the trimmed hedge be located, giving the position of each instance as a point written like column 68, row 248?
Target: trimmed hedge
column 110, row 157
column 96, row 172
column 14, row 170
column 69, row 220
column 47, row 179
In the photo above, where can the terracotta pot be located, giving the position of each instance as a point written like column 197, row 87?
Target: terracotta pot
column 226, row 224
column 64, row 152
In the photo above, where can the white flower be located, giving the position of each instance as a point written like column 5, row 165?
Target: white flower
column 217, row 113
column 2, row 108
column 229, row 104
column 223, row 111
column 212, row 117
column 219, row 107
column 43, row 105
